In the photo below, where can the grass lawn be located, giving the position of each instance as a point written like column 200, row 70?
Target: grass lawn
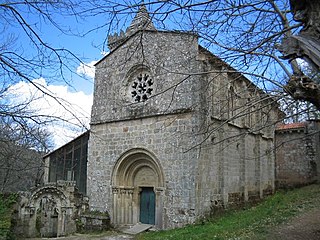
column 251, row 223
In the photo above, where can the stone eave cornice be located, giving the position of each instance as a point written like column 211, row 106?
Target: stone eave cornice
column 128, row 118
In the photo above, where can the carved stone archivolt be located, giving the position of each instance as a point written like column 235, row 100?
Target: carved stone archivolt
column 49, row 211
column 136, row 169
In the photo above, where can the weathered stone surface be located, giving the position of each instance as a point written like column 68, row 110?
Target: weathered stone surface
column 49, row 211
column 137, row 228
column 93, row 222
column 297, row 154
column 200, row 141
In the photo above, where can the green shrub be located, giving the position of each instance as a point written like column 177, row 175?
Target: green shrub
column 6, row 207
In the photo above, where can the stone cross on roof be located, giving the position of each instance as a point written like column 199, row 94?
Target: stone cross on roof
column 142, row 21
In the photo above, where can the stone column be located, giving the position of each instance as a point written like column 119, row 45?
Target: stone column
column 61, row 220
column 128, row 207
column 122, row 205
column 223, row 166
column 243, row 168
column 115, row 193
column 159, row 207
column 135, row 205
column 258, row 163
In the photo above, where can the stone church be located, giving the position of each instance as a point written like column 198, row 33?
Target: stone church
column 175, row 131
column 175, row 134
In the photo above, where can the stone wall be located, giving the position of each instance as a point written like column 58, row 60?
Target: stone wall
column 198, row 140
column 297, row 154
column 49, row 211
column 161, row 136
column 237, row 158
column 236, row 167
column 161, row 128
column 94, row 222
column 167, row 58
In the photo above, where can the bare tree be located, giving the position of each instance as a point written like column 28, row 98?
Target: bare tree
column 243, row 33
column 304, row 45
column 21, row 150
column 299, row 111
column 246, row 34
column 26, row 53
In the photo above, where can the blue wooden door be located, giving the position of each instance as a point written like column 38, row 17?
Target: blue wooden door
column 147, row 206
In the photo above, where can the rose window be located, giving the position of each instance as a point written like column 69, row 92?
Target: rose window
column 141, row 88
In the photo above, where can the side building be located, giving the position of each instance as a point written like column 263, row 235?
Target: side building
column 69, row 163
column 53, row 209
column 297, row 154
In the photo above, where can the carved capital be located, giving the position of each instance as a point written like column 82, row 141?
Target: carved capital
column 115, row 190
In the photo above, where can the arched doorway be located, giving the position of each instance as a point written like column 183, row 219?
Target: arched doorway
column 138, row 183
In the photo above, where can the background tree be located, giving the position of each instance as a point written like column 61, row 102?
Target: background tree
column 26, row 54
column 21, row 151
column 299, row 111
column 245, row 33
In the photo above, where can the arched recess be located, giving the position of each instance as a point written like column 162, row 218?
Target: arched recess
column 136, row 170
column 49, row 204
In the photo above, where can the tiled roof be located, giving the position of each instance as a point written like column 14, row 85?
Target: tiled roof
column 291, row 126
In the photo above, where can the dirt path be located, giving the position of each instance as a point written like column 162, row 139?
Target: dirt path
column 302, row 227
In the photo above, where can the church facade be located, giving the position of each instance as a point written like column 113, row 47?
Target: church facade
column 175, row 132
